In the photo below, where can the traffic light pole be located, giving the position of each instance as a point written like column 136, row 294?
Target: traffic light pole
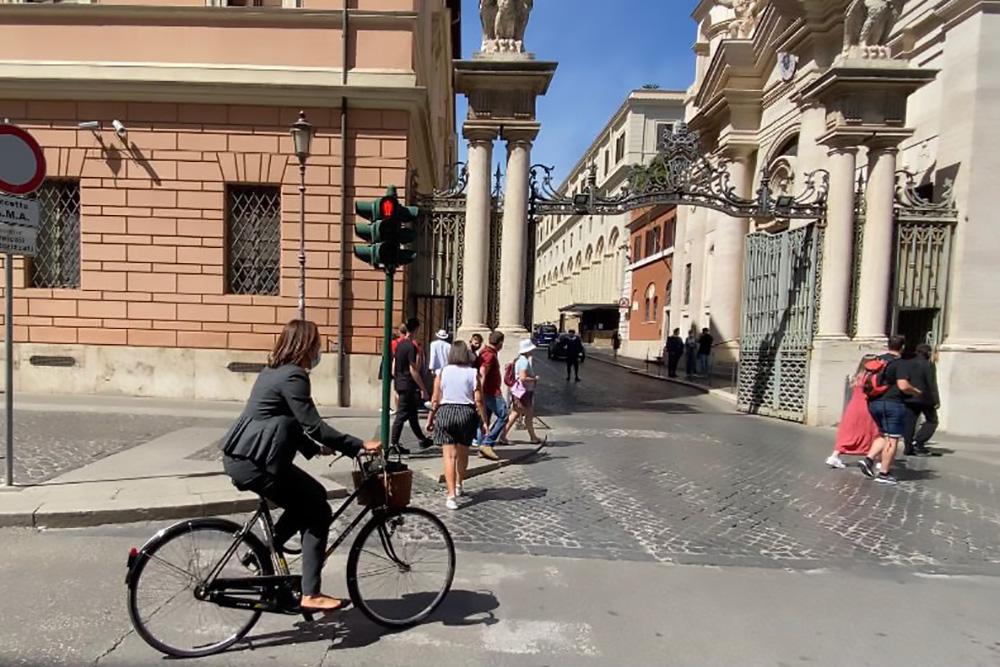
column 390, row 272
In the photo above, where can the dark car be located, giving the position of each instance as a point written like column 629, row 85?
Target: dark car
column 544, row 335
column 557, row 350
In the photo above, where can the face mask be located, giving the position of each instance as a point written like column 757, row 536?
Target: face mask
column 318, row 358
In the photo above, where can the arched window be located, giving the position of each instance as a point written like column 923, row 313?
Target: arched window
column 650, row 303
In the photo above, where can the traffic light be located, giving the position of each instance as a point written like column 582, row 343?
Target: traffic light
column 390, row 226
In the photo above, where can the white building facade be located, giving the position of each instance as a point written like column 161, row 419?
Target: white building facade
column 581, row 260
column 779, row 91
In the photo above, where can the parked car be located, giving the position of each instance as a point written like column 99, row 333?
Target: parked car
column 557, row 350
column 544, row 335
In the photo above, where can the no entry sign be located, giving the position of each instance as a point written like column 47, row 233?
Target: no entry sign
column 22, row 162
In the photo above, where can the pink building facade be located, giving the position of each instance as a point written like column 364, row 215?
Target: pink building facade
column 168, row 251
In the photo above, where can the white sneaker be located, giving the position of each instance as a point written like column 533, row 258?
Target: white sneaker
column 834, row 461
column 451, row 504
column 878, row 466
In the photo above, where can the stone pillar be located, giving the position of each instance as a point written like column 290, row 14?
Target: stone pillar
column 514, row 247
column 876, row 251
column 838, row 243
column 476, row 257
column 727, row 266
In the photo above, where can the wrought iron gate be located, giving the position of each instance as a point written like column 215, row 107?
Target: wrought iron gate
column 436, row 279
column 779, row 317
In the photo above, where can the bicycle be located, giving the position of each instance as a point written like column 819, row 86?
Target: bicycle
column 218, row 600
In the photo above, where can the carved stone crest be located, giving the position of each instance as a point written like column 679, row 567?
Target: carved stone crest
column 867, row 27
column 504, row 23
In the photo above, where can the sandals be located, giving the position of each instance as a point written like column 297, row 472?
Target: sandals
column 342, row 604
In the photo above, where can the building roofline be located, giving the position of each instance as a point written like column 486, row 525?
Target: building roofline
column 638, row 95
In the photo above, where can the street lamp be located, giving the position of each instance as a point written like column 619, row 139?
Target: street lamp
column 302, row 135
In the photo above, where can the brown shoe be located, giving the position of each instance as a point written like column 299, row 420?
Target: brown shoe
column 487, row 452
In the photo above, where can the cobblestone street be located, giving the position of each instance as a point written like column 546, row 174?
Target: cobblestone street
column 651, row 470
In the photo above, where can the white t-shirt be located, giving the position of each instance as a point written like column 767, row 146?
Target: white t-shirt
column 439, row 355
column 458, row 385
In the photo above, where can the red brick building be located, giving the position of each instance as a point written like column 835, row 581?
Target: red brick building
column 168, row 253
column 651, row 249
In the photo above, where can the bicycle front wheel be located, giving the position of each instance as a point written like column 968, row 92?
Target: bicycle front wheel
column 401, row 567
column 166, row 574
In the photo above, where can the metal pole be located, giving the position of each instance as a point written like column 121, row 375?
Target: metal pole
column 386, row 364
column 302, row 239
column 9, row 369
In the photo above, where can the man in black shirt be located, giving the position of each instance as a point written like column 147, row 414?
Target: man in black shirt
column 410, row 389
column 705, row 341
column 889, row 411
column 574, row 354
column 923, row 376
column 675, row 350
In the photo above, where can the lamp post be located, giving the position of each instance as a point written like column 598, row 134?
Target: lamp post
column 302, row 134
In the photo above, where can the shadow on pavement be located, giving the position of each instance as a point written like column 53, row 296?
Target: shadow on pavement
column 505, row 495
column 353, row 630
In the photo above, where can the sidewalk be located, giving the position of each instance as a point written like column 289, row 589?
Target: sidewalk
column 177, row 474
column 658, row 372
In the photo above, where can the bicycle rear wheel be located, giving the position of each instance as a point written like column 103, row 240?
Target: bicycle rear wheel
column 401, row 567
column 162, row 583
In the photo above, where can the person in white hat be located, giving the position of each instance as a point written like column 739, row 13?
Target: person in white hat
column 439, row 352
column 523, row 392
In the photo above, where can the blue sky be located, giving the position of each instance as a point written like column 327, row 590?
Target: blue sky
column 604, row 48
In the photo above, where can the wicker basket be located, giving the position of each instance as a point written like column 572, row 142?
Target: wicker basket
column 391, row 488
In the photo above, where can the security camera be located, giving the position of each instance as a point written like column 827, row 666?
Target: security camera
column 90, row 125
column 120, row 129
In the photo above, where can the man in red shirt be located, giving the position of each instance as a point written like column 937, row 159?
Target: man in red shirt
column 489, row 372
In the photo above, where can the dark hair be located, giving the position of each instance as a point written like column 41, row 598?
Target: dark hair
column 296, row 344
column 476, row 337
column 896, row 343
column 924, row 350
column 677, row 331
column 496, row 338
column 412, row 325
column 460, row 354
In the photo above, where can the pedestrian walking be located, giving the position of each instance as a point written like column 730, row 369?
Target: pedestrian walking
column 574, row 354
column 705, row 341
column 440, row 348
column 923, row 376
column 475, row 344
column 690, row 354
column 886, row 383
column 675, row 350
column 523, row 392
column 280, row 420
column 616, row 343
column 496, row 406
column 857, row 431
column 457, row 415
column 411, row 391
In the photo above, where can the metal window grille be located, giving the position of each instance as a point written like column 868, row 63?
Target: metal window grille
column 253, row 239
column 57, row 259
column 687, row 284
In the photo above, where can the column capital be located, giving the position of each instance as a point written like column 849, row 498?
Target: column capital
column 877, row 148
column 479, row 134
column 518, row 134
column 841, row 149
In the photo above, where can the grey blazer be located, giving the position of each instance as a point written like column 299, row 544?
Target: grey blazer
column 278, row 417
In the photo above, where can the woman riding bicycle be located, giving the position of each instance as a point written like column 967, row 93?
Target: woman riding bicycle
column 279, row 420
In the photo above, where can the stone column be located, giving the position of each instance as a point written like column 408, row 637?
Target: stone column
column 476, row 257
column 727, row 268
column 514, row 246
column 876, row 251
column 838, row 243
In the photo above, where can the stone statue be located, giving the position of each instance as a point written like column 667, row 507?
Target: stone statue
column 504, row 23
column 748, row 13
column 867, row 27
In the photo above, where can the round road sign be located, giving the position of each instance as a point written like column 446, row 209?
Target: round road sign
column 22, row 162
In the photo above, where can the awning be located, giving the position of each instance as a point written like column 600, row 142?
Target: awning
column 588, row 307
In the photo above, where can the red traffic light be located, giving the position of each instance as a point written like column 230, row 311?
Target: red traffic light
column 388, row 208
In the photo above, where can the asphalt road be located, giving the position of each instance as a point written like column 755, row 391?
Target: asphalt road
column 658, row 528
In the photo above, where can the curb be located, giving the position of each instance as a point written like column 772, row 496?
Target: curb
column 720, row 393
column 493, row 466
column 88, row 518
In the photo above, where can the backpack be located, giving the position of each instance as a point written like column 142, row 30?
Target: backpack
column 873, row 378
column 508, row 374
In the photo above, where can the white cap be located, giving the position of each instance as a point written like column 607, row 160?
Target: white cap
column 526, row 346
column 442, row 334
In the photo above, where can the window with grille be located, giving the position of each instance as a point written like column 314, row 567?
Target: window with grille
column 57, row 258
column 607, row 162
column 620, row 148
column 253, row 239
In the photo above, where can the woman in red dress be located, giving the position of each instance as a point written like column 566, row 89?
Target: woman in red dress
column 857, row 430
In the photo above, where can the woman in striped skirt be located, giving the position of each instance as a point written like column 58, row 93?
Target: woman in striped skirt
column 457, row 414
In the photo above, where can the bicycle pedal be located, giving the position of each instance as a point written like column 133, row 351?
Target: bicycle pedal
column 249, row 561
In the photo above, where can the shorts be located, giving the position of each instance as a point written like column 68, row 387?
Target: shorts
column 890, row 416
column 456, row 424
